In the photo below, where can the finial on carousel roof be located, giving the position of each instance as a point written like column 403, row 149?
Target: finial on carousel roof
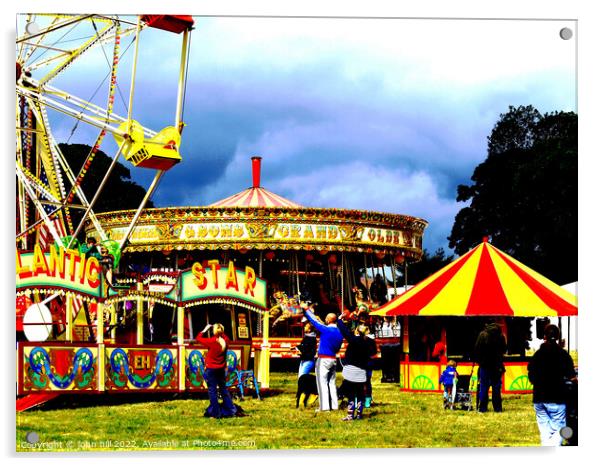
column 256, row 162
column 485, row 239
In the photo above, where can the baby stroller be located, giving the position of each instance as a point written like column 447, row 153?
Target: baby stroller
column 461, row 396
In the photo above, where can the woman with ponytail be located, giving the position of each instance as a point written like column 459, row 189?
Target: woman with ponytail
column 215, row 372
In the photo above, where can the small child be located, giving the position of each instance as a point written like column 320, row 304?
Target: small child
column 448, row 379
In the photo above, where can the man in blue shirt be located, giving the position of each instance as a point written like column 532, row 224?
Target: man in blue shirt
column 326, row 365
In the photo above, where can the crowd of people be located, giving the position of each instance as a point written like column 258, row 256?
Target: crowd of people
column 357, row 364
column 551, row 370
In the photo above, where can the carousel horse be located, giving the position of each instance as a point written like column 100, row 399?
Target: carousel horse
column 363, row 307
column 291, row 309
column 281, row 303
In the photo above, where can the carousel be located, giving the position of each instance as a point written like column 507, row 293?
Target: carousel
column 329, row 258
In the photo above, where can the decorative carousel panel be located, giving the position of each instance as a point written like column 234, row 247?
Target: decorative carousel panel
column 195, row 367
column 141, row 368
column 516, row 379
column 261, row 228
column 59, row 368
column 424, row 377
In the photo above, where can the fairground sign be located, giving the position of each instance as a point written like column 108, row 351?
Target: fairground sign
column 215, row 280
column 59, row 268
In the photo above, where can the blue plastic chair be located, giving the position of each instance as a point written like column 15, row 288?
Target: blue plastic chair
column 238, row 377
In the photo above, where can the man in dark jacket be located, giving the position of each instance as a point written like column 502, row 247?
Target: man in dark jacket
column 549, row 371
column 489, row 354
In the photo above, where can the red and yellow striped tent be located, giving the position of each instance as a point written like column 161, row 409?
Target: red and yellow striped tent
column 484, row 282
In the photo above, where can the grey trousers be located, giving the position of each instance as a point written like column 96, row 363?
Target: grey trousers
column 326, row 377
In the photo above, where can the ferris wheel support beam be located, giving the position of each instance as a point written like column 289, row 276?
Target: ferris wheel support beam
column 50, row 103
column 149, row 193
column 54, row 28
column 32, row 195
column 126, row 142
column 182, row 80
column 58, row 156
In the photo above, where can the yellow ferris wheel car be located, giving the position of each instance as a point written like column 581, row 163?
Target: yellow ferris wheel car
column 159, row 152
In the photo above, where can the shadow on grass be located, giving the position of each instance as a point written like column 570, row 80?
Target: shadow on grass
column 67, row 401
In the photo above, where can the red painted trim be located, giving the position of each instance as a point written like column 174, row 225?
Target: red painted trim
column 414, row 304
column 552, row 300
column 488, row 297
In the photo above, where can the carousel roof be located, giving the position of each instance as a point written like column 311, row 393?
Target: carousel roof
column 259, row 219
column 484, row 282
column 255, row 196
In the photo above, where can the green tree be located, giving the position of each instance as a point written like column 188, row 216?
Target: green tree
column 524, row 195
column 119, row 193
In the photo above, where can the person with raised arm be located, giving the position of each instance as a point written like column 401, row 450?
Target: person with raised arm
column 326, row 364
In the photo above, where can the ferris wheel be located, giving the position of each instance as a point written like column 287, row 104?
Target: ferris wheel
column 75, row 81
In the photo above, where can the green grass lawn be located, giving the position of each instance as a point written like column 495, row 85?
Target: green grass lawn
column 397, row 420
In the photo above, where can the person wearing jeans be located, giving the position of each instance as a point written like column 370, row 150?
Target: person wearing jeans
column 489, row 354
column 326, row 365
column 490, row 377
column 215, row 372
column 307, row 348
column 549, row 371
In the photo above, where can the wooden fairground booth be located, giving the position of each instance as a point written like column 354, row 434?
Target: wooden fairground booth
column 107, row 360
column 452, row 306
column 304, row 254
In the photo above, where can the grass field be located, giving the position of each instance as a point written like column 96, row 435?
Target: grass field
column 397, row 420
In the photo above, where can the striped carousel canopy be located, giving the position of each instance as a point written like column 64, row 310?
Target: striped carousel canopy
column 256, row 196
column 484, row 282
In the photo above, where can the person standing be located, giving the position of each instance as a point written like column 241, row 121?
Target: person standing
column 326, row 365
column 307, row 348
column 215, row 372
column 106, row 262
column 378, row 290
column 549, row 371
column 373, row 351
column 489, row 355
column 440, row 349
column 355, row 364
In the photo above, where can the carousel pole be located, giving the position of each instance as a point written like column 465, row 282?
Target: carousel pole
column 382, row 270
column 406, row 319
column 101, row 346
column 139, row 316
column 342, row 282
column 393, row 275
column 69, row 318
column 113, row 322
column 181, row 348
column 366, row 278
column 262, row 360
column 297, row 272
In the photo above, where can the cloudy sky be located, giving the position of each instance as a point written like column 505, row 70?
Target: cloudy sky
column 378, row 114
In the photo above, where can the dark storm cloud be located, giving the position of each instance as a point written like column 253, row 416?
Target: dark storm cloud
column 389, row 120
